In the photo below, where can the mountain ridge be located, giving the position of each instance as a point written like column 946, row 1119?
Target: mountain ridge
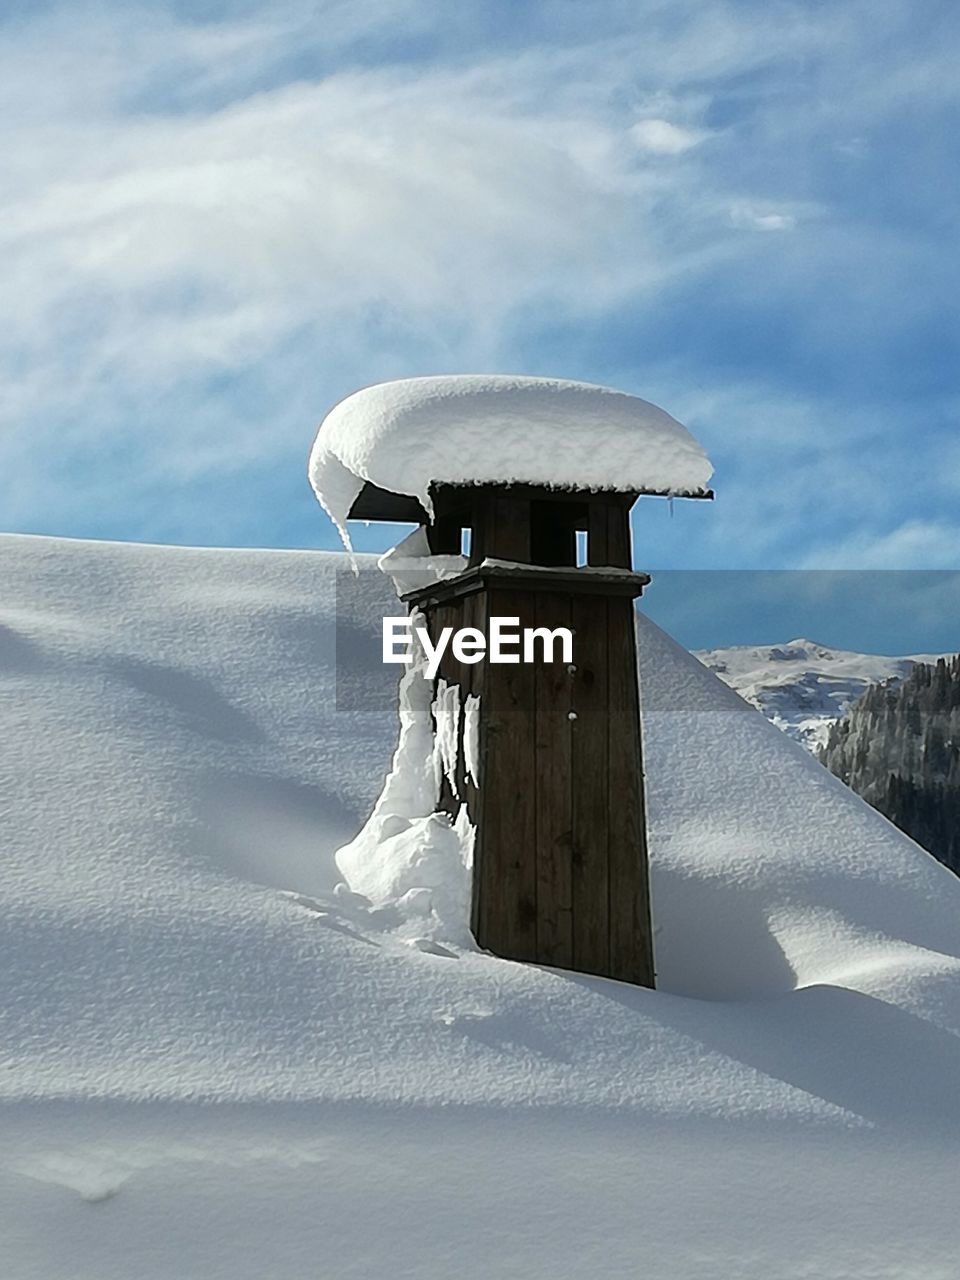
column 801, row 685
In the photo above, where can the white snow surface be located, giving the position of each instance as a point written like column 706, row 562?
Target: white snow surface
column 411, row 565
column 494, row 428
column 801, row 686
column 408, row 859
column 219, row 1060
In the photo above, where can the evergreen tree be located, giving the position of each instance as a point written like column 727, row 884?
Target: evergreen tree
column 899, row 748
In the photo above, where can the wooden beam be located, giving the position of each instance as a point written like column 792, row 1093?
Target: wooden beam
column 521, row 577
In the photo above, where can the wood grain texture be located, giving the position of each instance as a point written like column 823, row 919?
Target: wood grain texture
column 619, row 549
column 560, row 869
column 552, row 780
column 608, row 535
column 505, row 876
column 501, row 528
column 598, row 553
column 590, row 871
column 631, row 935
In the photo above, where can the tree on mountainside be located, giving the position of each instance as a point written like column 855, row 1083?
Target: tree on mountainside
column 899, row 748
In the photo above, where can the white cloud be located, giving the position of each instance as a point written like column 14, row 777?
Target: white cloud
column 660, row 137
column 152, row 245
column 154, row 234
column 762, row 219
column 182, row 205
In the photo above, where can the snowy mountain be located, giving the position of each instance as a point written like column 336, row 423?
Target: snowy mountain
column 218, row 1061
column 803, row 687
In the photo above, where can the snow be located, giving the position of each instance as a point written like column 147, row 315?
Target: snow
column 471, row 738
column 446, row 719
column 408, row 859
column 220, row 1060
column 411, row 565
column 493, row 428
column 803, row 687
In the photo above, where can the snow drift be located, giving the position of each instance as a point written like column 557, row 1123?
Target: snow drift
column 179, row 776
column 179, row 950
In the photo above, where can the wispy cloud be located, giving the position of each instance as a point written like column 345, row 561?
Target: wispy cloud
column 214, row 229
column 763, row 219
column 915, row 543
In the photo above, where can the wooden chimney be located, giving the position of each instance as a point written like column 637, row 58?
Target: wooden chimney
column 560, row 871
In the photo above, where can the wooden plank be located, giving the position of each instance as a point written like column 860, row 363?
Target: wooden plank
column 477, row 611
column 505, row 865
column 501, row 529
column 598, row 552
column 590, row 878
column 608, row 534
column 456, row 673
column 554, row 795
column 631, row 935
column 480, row 528
column 619, row 548
column 443, row 535
column 509, row 536
column 529, row 578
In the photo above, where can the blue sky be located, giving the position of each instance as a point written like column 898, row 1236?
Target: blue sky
column 220, row 218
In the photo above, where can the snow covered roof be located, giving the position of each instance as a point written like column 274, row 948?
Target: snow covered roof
column 495, row 428
column 201, row 1024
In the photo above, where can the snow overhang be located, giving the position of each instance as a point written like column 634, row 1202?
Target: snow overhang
column 379, row 452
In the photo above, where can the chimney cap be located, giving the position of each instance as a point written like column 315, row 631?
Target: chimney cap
column 404, row 437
